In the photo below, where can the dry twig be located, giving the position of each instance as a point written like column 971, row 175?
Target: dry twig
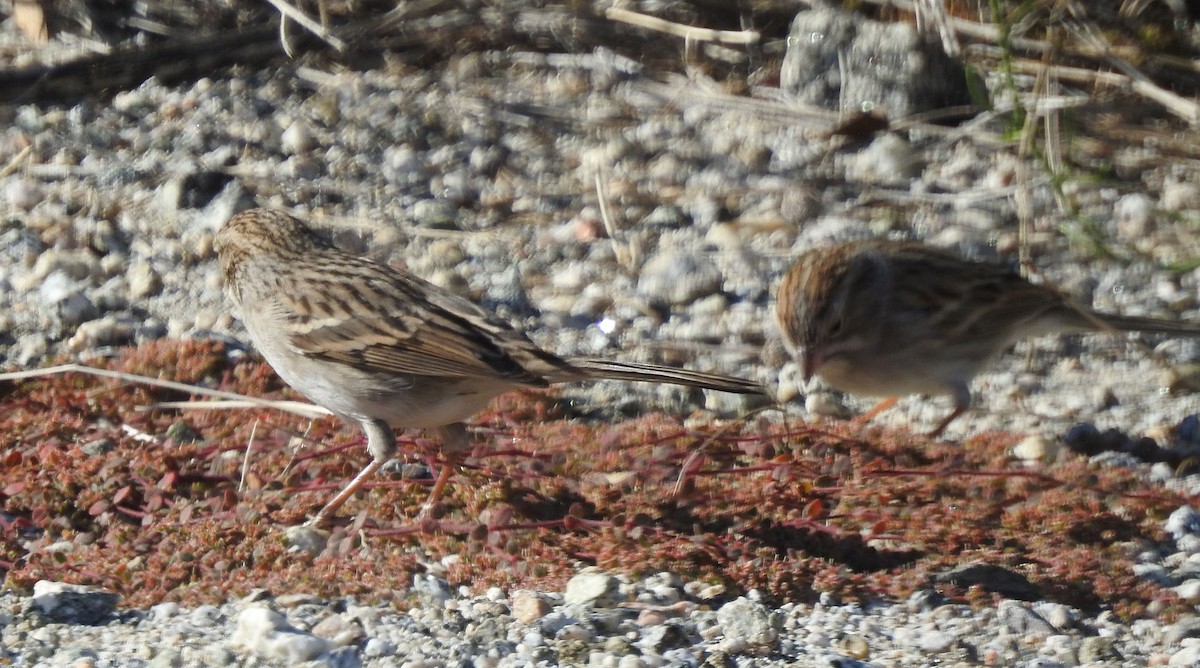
column 229, row 399
column 290, row 12
column 687, row 32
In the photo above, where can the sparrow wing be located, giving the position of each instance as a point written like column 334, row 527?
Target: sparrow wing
column 378, row 318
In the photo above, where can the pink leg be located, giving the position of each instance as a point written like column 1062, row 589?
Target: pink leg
column 962, row 402
column 455, row 443
column 879, row 408
column 322, row 517
column 439, row 486
column 381, row 443
column 937, row 431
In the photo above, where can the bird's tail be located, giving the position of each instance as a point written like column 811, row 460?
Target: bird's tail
column 596, row 368
column 1132, row 323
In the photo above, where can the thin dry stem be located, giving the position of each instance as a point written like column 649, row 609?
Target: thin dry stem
column 1140, row 83
column 16, row 161
column 623, row 251
column 246, row 457
column 687, row 32
column 232, row 399
column 290, row 12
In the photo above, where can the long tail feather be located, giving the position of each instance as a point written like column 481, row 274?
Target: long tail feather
column 1130, row 323
column 594, row 367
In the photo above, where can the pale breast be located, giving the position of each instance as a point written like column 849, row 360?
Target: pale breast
column 404, row 401
column 899, row 375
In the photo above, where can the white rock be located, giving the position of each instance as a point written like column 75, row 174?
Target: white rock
column 297, row 138
column 1133, row 214
column 678, row 278
column 23, row 194
column 889, row 159
column 1189, row 591
column 747, row 626
column 144, row 280
column 376, row 648
column 267, row 633
column 1036, row 448
column 933, row 641
column 64, row 295
column 591, row 587
column 495, row 594
column 1179, row 195
column 1183, row 521
column 1188, row 656
column 533, row 639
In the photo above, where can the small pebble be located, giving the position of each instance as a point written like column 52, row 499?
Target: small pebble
column 591, row 588
column 677, row 278
column 528, row 606
column 1036, row 448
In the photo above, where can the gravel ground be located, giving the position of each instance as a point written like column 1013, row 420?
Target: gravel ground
column 598, row 620
column 491, row 176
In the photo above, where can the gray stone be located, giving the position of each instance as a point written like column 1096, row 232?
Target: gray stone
column 339, row 630
column 432, row 590
column 73, row 604
column 839, row 60
column 678, row 278
column 439, row 214
column 307, row 538
column 1188, row 627
column 1098, row 649
column 747, row 626
column 65, row 296
column 1021, row 621
column 591, row 587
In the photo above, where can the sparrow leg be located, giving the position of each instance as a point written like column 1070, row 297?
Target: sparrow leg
column 381, row 443
column 962, row 402
column 879, row 408
column 455, row 443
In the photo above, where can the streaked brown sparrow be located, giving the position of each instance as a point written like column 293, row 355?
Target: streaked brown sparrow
column 383, row 348
column 890, row 318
